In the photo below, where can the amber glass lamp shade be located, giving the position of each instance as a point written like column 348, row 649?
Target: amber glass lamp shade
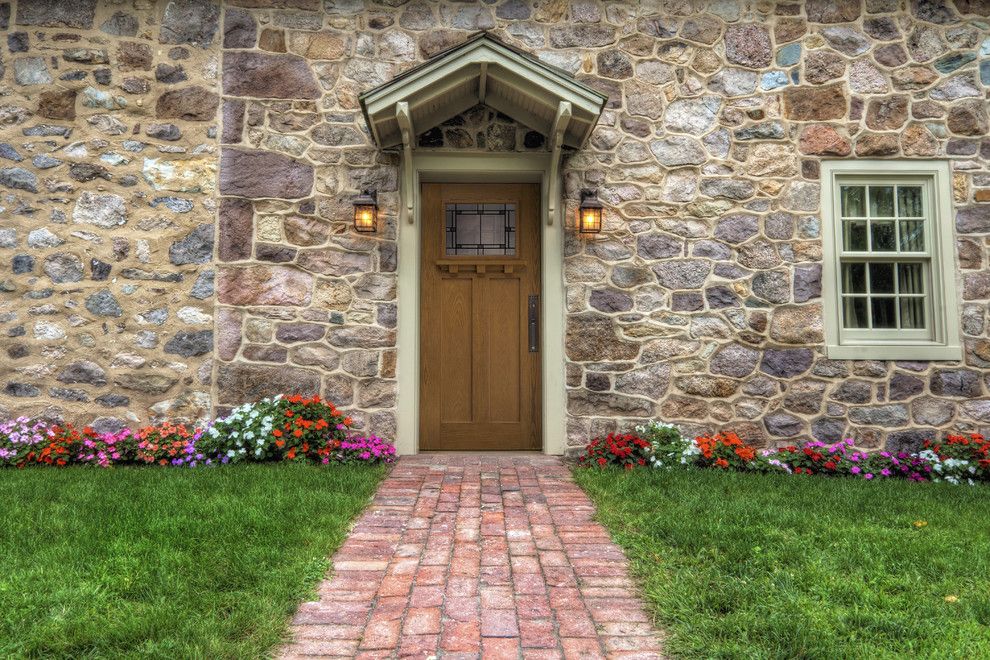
column 589, row 213
column 366, row 212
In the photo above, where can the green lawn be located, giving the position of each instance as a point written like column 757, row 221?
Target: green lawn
column 748, row 565
column 166, row 562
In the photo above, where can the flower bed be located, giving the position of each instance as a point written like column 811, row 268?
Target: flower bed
column 290, row 428
column 956, row 459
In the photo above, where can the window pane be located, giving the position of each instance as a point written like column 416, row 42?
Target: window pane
column 909, row 201
column 480, row 229
column 912, row 236
column 854, row 236
column 884, row 315
column 884, row 239
column 882, row 201
column 911, row 278
column 881, row 278
column 853, row 205
column 912, row 313
column 854, row 313
column 854, row 278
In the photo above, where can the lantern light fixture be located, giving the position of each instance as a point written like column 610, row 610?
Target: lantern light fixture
column 366, row 211
column 590, row 213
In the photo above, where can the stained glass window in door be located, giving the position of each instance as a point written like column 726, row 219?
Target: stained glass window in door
column 480, row 229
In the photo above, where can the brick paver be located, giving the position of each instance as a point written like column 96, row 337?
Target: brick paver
column 477, row 555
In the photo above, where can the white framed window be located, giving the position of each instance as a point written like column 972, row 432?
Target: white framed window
column 889, row 270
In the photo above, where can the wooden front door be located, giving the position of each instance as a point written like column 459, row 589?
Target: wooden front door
column 479, row 339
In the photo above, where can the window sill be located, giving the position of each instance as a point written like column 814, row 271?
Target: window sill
column 911, row 352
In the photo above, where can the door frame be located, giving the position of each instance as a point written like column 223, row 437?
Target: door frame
column 453, row 167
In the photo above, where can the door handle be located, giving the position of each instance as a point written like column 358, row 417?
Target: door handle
column 533, row 324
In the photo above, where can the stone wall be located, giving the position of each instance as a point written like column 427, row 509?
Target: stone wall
column 699, row 303
column 108, row 122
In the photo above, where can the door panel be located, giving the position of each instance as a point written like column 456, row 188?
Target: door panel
column 479, row 383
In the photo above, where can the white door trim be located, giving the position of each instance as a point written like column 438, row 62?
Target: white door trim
column 488, row 167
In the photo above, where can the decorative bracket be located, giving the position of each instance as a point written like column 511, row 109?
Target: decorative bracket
column 404, row 120
column 556, row 142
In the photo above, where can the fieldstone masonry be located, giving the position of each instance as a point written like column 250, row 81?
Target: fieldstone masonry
column 176, row 179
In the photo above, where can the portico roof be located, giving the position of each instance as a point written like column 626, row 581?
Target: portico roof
column 482, row 70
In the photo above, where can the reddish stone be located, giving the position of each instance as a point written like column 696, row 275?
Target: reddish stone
column 60, row 104
column 815, row 104
column 132, row 55
column 823, row 140
column 968, row 117
column 272, row 40
column 189, row 103
column 259, row 174
column 263, row 75
column 748, row 45
column 877, row 144
column 832, row 11
column 885, row 114
column 233, row 121
column 236, row 219
column 237, row 383
column 264, row 285
column 228, row 332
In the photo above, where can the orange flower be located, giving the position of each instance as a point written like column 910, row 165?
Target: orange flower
column 297, row 433
column 277, row 433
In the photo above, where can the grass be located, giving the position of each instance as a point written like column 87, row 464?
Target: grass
column 148, row 562
column 772, row 566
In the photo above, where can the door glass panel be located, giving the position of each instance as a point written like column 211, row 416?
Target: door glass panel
column 853, row 203
column 480, row 229
column 882, row 201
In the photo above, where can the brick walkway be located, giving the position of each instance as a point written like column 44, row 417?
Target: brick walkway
column 462, row 556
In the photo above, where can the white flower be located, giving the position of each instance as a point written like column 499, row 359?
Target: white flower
column 230, row 453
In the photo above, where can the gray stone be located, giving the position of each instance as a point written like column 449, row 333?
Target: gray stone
column 63, row 267
column 911, row 440
column 120, row 24
column 18, row 178
column 956, row 382
column 932, row 411
column 22, row 263
column 828, row 430
column 195, row 248
column 585, row 402
column 772, row 286
column 737, row 228
column 658, row 246
column 10, row 153
column 683, row 273
column 190, row 22
column 56, row 13
column 903, row 386
column 693, row 116
column 846, row 40
column 783, row 425
column 678, row 150
column 83, row 371
column 734, row 360
column 727, row 188
column 719, row 297
column 203, row 286
column 767, row 130
column 45, row 162
column 31, row 71
column 100, row 209
column 786, row 362
column 887, row 416
column 361, row 337
column 807, row 282
column 103, row 303
column 21, row 390
column 43, row 238
column 190, row 343
column 610, row 300
column 169, row 132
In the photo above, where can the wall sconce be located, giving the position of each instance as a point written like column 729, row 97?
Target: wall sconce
column 590, row 213
column 366, row 211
